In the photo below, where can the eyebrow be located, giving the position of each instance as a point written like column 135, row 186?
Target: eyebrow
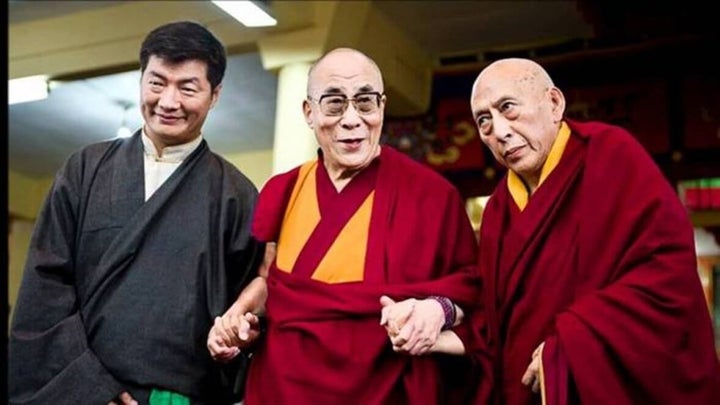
column 480, row 111
column 495, row 104
column 332, row 90
column 366, row 88
column 501, row 100
column 193, row 80
column 336, row 90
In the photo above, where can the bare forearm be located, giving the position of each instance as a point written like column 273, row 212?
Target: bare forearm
column 251, row 299
column 449, row 343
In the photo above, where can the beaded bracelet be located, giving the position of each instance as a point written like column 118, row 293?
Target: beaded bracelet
column 448, row 309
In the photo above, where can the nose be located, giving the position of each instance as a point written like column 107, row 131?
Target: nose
column 501, row 128
column 350, row 118
column 169, row 98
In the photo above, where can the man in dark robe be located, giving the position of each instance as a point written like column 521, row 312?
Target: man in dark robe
column 587, row 258
column 361, row 225
column 141, row 242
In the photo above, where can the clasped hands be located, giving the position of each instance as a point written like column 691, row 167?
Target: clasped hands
column 232, row 333
column 412, row 325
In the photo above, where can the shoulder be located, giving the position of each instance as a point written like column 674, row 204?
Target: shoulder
column 96, row 150
column 277, row 190
column 602, row 135
column 281, row 181
column 616, row 156
column 271, row 205
column 85, row 160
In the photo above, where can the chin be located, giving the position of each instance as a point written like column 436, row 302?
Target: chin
column 175, row 133
column 353, row 164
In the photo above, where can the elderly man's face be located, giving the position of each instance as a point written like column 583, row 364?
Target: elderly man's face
column 517, row 117
column 349, row 139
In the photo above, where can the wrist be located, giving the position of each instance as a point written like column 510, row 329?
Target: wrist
column 448, row 309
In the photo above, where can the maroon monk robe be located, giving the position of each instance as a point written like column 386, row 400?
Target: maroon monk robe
column 324, row 343
column 601, row 267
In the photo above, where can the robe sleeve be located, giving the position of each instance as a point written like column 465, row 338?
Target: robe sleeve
column 49, row 360
column 641, row 332
column 271, row 206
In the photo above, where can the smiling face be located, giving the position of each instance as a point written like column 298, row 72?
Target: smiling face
column 518, row 112
column 175, row 100
column 349, row 141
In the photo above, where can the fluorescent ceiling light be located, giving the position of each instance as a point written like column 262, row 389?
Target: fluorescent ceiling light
column 248, row 13
column 31, row 88
column 124, row 132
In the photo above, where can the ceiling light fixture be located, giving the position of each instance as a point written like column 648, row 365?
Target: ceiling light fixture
column 25, row 89
column 124, row 131
column 247, row 12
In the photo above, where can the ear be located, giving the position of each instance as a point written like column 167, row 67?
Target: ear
column 307, row 111
column 381, row 109
column 215, row 95
column 558, row 104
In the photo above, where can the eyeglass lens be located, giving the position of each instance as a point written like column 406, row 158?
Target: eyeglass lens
column 364, row 103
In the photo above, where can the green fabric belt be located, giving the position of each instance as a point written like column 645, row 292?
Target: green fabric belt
column 159, row 397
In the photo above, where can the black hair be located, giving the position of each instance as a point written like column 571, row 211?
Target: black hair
column 183, row 41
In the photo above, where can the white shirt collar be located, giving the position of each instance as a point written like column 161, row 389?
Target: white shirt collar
column 170, row 154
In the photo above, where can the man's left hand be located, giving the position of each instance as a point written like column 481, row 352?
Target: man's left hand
column 531, row 377
column 419, row 328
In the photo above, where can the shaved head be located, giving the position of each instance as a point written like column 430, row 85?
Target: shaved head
column 343, row 54
column 524, row 72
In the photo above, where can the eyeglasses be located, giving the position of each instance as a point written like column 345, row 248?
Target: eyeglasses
column 335, row 105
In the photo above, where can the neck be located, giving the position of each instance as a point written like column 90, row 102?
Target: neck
column 530, row 182
column 160, row 144
column 341, row 175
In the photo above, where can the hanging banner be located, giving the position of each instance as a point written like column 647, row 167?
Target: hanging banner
column 445, row 140
column 641, row 107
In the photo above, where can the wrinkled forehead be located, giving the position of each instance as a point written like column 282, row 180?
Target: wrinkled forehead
column 497, row 84
column 345, row 72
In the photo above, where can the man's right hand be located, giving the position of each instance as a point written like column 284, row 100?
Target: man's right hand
column 413, row 325
column 232, row 333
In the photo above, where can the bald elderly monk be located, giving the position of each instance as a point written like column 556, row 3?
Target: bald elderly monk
column 356, row 229
column 588, row 260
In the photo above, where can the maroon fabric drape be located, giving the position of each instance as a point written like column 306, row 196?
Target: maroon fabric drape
column 601, row 266
column 324, row 343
